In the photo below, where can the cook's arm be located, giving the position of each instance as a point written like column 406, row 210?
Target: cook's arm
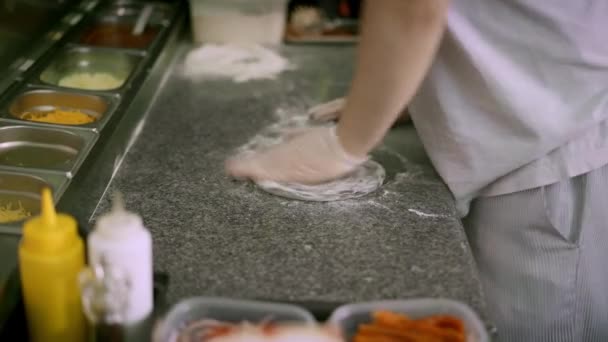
column 398, row 42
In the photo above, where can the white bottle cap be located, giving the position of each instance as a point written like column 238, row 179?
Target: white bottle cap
column 118, row 222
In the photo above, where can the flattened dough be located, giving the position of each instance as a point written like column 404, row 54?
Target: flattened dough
column 365, row 179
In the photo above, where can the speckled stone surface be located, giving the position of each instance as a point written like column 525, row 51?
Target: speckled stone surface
column 218, row 237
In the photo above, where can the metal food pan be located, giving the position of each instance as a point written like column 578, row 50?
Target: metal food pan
column 114, row 31
column 71, row 61
column 44, row 148
column 162, row 10
column 40, row 100
column 24, row 189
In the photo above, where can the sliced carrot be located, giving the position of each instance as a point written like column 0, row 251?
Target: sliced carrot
column 388, row 326
column 388, row 316
column 391, row 319
column 445, row 322
column 409, row 335
column 374, row 338
column 420, row 326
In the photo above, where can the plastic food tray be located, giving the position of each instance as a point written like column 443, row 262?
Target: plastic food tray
column 227, row 310
column 349, row 317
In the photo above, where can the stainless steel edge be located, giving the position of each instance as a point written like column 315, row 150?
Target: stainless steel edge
column 140, row 52
column 89, row 5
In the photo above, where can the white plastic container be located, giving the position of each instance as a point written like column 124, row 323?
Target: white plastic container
column 349, row 317
column 238, row 21
column 121, row 239
column 227, row 310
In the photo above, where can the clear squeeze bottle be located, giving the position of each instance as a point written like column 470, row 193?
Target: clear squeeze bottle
column 122, row 243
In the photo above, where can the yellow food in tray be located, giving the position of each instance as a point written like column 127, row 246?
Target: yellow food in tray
column 10, row 214
column 91, row 81
column 58, row 116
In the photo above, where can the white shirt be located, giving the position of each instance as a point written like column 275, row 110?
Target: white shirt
column 518, row 95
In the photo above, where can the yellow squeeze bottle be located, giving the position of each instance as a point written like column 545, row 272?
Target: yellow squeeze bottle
column 51, row 254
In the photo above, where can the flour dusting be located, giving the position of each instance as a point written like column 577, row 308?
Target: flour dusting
column 240, row 63
column 365, row 179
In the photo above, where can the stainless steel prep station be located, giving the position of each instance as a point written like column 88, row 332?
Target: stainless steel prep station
column 64, row 154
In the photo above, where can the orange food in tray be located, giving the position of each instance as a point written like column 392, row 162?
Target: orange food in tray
column 393, row 327
column 59, row 116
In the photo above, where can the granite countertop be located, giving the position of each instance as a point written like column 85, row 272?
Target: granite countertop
column 218, row 237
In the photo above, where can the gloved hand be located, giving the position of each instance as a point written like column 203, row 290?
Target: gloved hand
column 312, row 157
column 327, row 111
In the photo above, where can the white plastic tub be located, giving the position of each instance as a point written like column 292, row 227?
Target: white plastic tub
column 349, row 317
column 238, row 21
column 227, row 310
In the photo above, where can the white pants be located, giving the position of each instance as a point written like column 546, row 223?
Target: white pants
column 543, row 259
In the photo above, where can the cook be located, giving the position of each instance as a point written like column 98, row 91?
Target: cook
column 510, row 98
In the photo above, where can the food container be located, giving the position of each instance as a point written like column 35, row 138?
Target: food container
column 44, row 148
column 349, row 317
column 46, row 100
column 238, row 21
column 117, row 32
column 113, row 25
column 227, row 310
column 19, row 190
column 82, row 68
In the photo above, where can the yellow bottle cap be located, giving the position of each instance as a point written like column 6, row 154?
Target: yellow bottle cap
column 49, row 232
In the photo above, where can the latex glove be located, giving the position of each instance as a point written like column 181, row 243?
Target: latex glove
column 312, row 157
column 328, row 111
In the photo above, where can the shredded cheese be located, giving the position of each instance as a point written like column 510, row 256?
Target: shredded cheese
column 58, row 116
column 8, row 214
column 92, row 81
